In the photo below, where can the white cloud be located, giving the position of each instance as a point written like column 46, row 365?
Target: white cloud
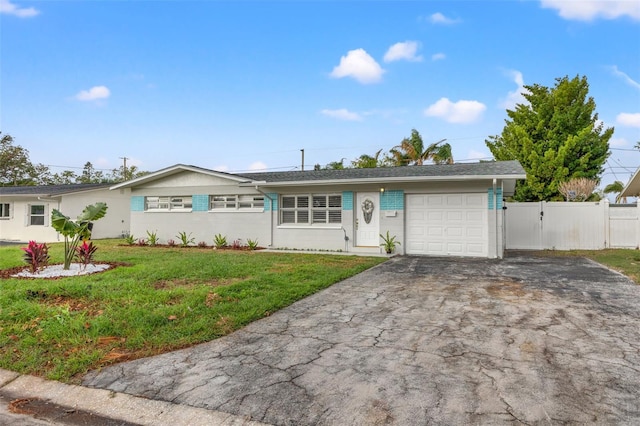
column 403, row 51
column 456, row 112
column 342, row 114
column 257, row 165
column 593, row 9
column 618, row 142
column 516, row 96
column 359, row 65
column 438, row 56
column 95, row 93
column 221, row 168
column 625, row 77
column 628, row 119
column 11, row 9
column 439, row 18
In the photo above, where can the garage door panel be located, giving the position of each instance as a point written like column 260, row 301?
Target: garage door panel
column 475, row 232
column 435, row 215
column 455, row 215
column 435, row 231
column 455, row 232
column 447, row 224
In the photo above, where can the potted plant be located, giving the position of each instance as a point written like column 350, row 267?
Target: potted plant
column 389, row 243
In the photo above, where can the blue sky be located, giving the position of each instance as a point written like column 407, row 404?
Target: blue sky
column 246, row 85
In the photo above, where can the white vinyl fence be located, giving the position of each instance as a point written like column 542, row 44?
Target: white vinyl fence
column 568, row 226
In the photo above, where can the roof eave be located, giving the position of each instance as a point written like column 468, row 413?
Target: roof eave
column 168, row 171
column 632, row 189
column 404, row 179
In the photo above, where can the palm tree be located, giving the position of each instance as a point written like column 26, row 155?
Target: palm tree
column 614, row 188
column 411, row 151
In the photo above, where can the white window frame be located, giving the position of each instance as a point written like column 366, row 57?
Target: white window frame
column 171, row 203
column 310, row 210
column 5, row 211
column 232, row 203
column 31, row 215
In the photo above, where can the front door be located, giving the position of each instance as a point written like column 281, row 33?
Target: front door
column 368, row 219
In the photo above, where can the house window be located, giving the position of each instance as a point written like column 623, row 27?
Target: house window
column 175, row 203
column 36, row 214
column 311, row 209
column 4, row 211
column 236, row 202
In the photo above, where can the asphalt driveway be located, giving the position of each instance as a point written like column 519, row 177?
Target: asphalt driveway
column 421, row 340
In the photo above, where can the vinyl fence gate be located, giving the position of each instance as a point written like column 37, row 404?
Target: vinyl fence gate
column 568, row 226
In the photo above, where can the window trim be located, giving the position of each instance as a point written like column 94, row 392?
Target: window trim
column 168, row 203
column 30, row 215
column 6, row 213
column 236, row 203
column 311, row 206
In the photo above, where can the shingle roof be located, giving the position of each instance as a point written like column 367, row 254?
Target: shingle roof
column 489, row 169
column 50, row 190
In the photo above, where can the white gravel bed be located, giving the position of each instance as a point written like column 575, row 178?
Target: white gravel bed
column 54, row 271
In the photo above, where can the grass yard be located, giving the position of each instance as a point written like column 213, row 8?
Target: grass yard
column 625, row 261
column 158, row 299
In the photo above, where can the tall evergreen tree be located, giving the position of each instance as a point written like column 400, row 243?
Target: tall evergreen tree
column 556, row 137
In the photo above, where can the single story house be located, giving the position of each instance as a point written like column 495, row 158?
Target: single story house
column 451, row 210
column 25, row 211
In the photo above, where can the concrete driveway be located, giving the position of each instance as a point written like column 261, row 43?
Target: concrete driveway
column 421, row 340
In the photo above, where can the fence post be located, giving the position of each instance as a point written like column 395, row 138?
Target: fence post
column 607, row 223
column 637, row 223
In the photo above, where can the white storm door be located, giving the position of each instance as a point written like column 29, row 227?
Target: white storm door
column 367, row 219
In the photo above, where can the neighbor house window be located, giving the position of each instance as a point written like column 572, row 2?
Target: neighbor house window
column 176, row 203
column 4, row 211
column 36, row 214
column 311, row 209
column 236, row 202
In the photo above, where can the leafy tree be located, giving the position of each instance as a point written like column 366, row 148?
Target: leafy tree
column 412, row 151
column 556, row 137
column 367, row 161
column 335, row 165
column 91, row 175
column 614, row 188
column 15, row 166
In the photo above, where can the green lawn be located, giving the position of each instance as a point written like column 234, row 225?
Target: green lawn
column 156, row 300
column 625, row 261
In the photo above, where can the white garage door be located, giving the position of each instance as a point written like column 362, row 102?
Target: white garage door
column 447, row 224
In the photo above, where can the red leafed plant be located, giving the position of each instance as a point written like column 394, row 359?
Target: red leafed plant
column 36, row 255
column 85, row 252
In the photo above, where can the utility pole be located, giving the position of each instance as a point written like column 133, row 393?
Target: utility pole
column 302, row 151
column 124, row 172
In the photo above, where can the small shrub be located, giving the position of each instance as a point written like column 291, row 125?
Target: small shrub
column 130, row 239
column 141, row 242
column 185, row 239
column 171, row 243
column 236, row 245
column 202, row 244
column 153, row 238
column 220, row 241
column 84, row 253
column 36, row 255
column 252, row 244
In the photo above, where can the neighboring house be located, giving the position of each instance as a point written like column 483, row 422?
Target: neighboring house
column 434, row 210
column 632, row 189
column 25, row 211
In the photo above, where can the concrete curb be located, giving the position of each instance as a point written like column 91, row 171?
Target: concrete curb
column 114, row 405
